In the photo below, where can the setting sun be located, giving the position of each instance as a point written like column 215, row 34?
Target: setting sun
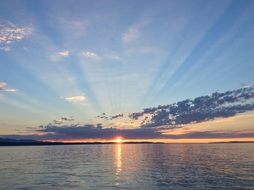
column 118, row 140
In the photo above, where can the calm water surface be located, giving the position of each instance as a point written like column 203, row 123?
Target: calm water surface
column 128, row 166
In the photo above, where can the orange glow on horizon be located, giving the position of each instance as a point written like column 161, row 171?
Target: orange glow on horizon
column 118, row 140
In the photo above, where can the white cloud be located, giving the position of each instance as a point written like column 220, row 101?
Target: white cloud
column 131, row 35
column 4, row 87
column 10, row 90
column 134, row 32
column 89, row 54
column 59, row 55
column 76, row 99
column 10, row 33
column 64, row 53
column 5, row 48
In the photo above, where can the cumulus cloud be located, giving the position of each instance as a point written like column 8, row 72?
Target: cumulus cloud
column 89, row 54
column 203, row 108
column 75, row 99
column 4, row 87
column 10, row 33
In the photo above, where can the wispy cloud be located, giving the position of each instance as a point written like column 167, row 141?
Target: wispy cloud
column 131, row 35
column 10, row 90
column 64, row 53
column 4, row 87
column 76, row 99
column 10, row 33
column 89, row 54
column 57, row 56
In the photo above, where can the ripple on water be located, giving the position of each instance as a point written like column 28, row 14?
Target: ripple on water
column 128, row 166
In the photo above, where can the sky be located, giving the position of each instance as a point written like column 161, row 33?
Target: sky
column 72, row 70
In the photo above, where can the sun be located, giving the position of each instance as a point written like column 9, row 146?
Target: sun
column 118, row 140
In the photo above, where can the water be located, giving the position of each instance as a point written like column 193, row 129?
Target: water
column 128, row 166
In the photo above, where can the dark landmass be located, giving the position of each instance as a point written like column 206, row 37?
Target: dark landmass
column 232, row 142
column 28, row 142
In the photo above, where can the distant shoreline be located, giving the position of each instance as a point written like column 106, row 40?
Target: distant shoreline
column 41, row 143
column 232, row 142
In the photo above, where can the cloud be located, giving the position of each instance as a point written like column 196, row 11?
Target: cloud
column 10, row 33
column 203, row 108
column 213, row 135
column 10, row 90
column 63, row 119
column 104, row 116
column 4, row 87
column 57, row 56
column 97, row 131
column 64, row 53
column 59, row 121
column 71, row 118
column 5, row 48
column 75, row 99
column 89, row 54
column 116, row 116
column 90, row 131
column 131, row 35
column 161, row 122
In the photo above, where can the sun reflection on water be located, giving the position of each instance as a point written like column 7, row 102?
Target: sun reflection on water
column 118, row 161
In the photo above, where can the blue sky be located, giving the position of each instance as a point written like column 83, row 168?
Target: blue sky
column 85, row 58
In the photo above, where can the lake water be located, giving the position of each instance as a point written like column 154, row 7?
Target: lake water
column 128, row 166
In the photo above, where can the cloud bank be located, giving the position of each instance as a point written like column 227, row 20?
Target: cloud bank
column 203, row 108
column 158, row 122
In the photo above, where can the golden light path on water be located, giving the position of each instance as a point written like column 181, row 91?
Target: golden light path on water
column 118, row 161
